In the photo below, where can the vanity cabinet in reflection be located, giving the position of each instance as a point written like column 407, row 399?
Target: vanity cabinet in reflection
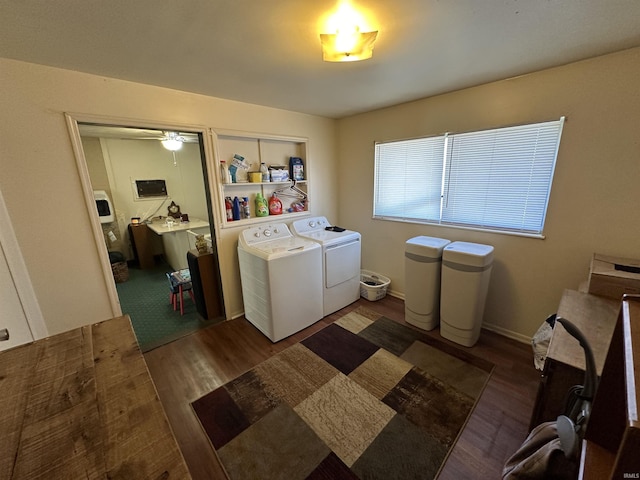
column 205, row 284
column 142, row 245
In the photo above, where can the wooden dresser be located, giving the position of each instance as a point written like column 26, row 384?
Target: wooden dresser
column 564, row 367
column 611, row 448
column 81, row 404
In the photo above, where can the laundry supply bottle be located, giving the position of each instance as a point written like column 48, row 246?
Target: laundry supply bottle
column 224, row 172
column 275, row 205
column 265, row 172
column 262, row 210
column 246, row 210
column 236, row 208
column 228, row 205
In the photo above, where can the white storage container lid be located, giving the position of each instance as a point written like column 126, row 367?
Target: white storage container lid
column 465, row 253
column 426, row 246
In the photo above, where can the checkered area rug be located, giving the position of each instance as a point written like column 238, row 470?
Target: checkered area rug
column 365, row 397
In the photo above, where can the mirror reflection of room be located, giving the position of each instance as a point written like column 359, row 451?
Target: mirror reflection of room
column 152, row 205
column 128, row 169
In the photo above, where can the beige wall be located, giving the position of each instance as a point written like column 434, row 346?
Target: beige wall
column 42, row 188
column 592, row 206
column 594, row 199
column 95, row 164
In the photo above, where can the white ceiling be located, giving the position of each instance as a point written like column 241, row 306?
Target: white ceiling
column 267, row 52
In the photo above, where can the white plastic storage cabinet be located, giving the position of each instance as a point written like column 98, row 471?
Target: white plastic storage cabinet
column 422, row 266
column 466, row 271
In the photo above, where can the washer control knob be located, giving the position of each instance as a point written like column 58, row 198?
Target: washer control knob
column 257, row 234
column 267, row 233
column 312, row 224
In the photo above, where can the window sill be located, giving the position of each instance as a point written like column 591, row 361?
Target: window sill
column 538, row 236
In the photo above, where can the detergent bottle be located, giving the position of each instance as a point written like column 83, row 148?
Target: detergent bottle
column 246, row 210
column 275, row 205
column 235, row 209
column 228, row 205
column 262, row 210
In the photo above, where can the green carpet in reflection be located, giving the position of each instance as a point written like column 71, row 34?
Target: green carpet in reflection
column 145, row 298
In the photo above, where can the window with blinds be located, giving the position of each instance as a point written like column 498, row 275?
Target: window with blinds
column 497, row 179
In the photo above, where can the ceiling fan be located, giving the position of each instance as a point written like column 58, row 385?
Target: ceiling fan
column 172, row 141
column 132, row 133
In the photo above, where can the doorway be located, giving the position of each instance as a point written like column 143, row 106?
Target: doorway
column 21, row 320
column 160, row 199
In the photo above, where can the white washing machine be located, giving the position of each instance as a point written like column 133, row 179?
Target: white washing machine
column 281, row 277
column 341, row 252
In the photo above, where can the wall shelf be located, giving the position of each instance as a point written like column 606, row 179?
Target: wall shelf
column 257, row 149
column 247, row 222
column 257, row 184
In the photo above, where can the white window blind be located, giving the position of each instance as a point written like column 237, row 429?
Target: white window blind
column 409, row 179
column 496, row 179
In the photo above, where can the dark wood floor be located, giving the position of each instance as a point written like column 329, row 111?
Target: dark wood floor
column 188, row 368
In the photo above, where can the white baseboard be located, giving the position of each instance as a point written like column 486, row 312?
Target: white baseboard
column 507, row 333
column 487, row 326
column 395, row 294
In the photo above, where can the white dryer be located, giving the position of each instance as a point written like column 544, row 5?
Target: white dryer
column 341, row 251
column 281, row 277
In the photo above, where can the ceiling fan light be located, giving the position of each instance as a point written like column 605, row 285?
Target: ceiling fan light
column 172, row 142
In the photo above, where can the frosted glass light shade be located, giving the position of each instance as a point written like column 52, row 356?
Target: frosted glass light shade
column 172, row 144
column 347, row 47
column 172, row 141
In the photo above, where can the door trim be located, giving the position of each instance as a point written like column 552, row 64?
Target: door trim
column 20, row 275
column 72, row 120
column 87, row 189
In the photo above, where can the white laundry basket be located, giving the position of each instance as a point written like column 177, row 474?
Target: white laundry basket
column 373, row 286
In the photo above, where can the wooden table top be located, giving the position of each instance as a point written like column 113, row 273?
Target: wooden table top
column 81, row 404
column 595, row 317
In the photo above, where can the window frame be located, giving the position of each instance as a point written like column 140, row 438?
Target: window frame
column 538, row 156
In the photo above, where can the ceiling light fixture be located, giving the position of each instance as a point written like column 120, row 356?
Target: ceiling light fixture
column 348, row 43
column 172, row 141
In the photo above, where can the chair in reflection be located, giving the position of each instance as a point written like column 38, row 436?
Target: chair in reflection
column 179, row 282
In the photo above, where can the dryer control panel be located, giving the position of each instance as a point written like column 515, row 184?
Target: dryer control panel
column 254, row 235
column 308, row 225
